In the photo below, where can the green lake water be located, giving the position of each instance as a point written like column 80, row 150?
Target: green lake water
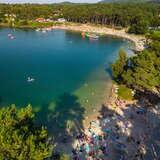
column 60, row 62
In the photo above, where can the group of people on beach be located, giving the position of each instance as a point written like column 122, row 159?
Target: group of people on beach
column 92, row 147
column 120, row 133
column 115, row 139
column 96, row 142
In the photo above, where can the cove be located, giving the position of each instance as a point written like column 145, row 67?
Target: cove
column 68, row 70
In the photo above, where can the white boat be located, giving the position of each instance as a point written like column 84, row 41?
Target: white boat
column 38, row 29
column 49, row 29
column 9, row 35
column 43, row 31
column 29, row 79
column 93, row 36
column 12, row 37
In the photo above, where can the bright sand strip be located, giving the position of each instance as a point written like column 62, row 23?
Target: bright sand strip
column 93, row 94
column 138, row 40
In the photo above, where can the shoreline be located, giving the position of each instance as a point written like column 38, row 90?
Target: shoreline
column 138, row 40
column 139, row 45
column 92, row 114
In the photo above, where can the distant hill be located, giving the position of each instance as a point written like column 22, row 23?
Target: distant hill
column 109, row 1
column 134, row 1
column 65, row 2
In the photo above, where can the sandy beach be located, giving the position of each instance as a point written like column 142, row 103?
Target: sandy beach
column 138, row 40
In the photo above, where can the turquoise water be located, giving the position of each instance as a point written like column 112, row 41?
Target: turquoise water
column 59, row 61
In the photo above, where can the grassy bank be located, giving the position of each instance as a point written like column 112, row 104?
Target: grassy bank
column 125, row 93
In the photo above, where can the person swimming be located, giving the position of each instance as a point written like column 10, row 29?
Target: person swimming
column 10, row 36
column 29, row 79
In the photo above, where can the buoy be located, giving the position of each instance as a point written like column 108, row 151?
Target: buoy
column 83, row 34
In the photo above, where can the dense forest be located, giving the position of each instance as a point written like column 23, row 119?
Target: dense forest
column 143, row 15
column 141, row 72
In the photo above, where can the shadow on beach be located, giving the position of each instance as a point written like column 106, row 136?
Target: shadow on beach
column 133, row 134
column 129, row 134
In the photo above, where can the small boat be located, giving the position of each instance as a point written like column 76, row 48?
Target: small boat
column 92, row 36
column 49, row 29
column 43, row 31
column 29, row 79
column 38, row 29
column 12, row 37
column 9, row 35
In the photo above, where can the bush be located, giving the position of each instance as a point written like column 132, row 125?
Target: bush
column 119, row 66
column 141, row 27
column 125, row 93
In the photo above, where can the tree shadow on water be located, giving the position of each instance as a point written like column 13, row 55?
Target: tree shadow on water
column 108, row 70
column 0, row 100
column 64, row 121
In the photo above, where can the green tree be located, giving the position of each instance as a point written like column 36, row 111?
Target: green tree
column 119, row 66
column 24, row 22
column 144, row 73
column 20, row 138
column 141, row 71
column 140, row 26
column 144, row 69
column 154, row 41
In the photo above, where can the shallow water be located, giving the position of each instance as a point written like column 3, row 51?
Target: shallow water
column 60, row 62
